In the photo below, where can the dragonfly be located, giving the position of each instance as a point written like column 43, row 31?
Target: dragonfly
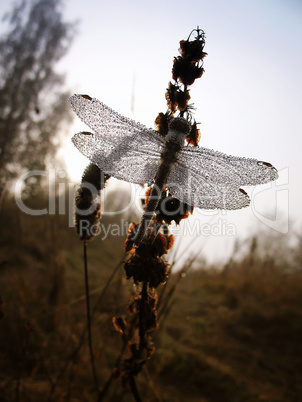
column 129, row 151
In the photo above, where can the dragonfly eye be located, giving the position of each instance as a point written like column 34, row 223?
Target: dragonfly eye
column 180, row 124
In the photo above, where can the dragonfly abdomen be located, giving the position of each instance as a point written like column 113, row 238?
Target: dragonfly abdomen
column 178, row 130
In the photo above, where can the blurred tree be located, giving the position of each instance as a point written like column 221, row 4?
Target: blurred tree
column 33, row 105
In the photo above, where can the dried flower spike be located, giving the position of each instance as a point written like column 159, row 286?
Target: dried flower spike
column 87, row 208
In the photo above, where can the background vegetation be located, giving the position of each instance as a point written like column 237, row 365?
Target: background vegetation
column 229, row 333
column 33, row 101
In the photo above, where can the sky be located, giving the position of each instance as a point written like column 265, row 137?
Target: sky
column 248, row 101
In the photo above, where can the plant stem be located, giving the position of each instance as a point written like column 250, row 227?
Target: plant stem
column 142, row 309
column 134, row 390
column 74, row 354
column 88, row 319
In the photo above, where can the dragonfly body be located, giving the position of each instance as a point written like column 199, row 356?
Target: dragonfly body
column 174, row 140
column 129, row 151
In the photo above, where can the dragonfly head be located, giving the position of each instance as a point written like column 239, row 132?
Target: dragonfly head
column 179, row 128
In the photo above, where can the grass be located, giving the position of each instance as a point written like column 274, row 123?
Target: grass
column 228, row 334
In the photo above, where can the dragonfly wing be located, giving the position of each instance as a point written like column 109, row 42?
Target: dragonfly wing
column 211, row 180
column 224, row 169
column 126, row 161
column 202, row 193
column 121, row 147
